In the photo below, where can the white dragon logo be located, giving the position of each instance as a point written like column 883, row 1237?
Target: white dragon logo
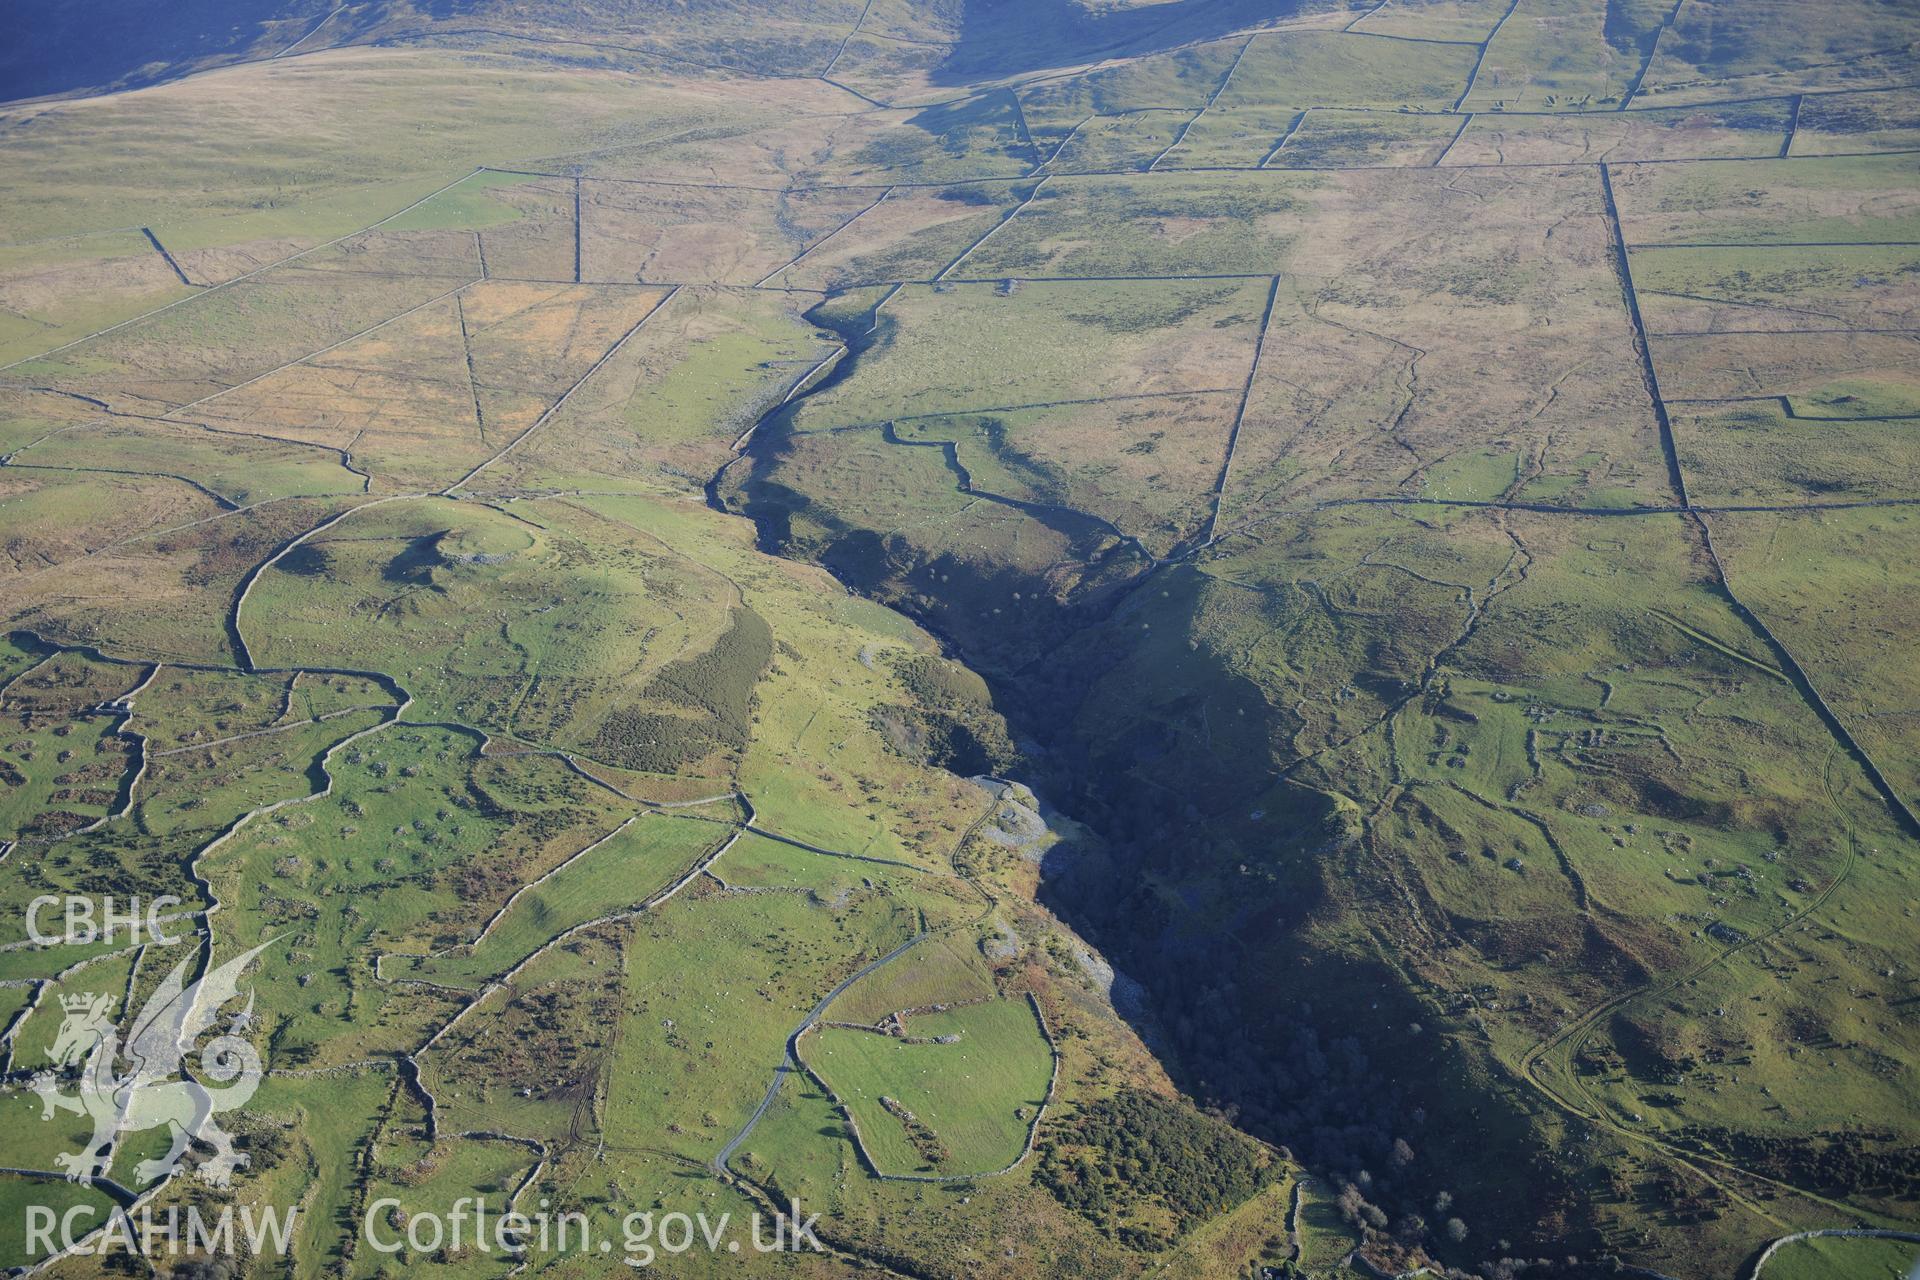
column 143, row 1097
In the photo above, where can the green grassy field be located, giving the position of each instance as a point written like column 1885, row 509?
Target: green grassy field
column 1819, row 1259
column 962, row 1104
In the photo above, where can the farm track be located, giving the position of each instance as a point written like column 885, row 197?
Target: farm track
column 789, row 1064
column 793, row 1062
column 1566, row 1041
column 866, row 1155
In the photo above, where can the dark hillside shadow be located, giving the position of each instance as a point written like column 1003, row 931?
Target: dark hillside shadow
column 1008, row 37
column 63, row 48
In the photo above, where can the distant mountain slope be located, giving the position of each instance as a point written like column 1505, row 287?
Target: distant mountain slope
column 123, row 44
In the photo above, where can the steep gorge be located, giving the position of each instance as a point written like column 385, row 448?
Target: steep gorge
column 1249, row 906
